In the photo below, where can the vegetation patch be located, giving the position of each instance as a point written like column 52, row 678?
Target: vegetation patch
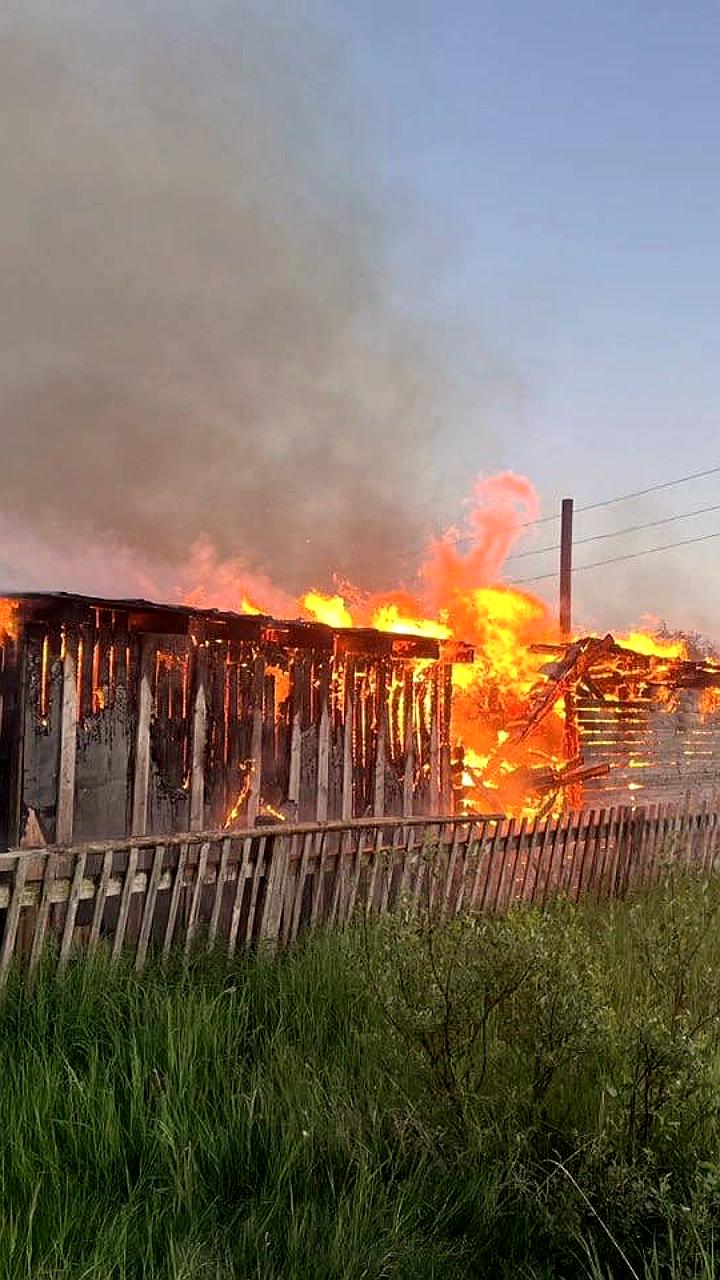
column 534, row 1095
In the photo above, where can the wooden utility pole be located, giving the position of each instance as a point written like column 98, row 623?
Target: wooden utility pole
column 566, row 568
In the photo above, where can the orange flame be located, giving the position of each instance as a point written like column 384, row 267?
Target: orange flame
column 461, row 595
column 8, row 620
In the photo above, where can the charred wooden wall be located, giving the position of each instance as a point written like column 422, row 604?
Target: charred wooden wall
column 657, row 752
column 124, row 718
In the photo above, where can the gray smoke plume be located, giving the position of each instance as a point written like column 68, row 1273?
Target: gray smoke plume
column 197, row 336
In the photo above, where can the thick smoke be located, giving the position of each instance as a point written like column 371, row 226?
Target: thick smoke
column 197, row 340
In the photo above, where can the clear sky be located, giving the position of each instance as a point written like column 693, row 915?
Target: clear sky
column 567, row 153
column 530, row 198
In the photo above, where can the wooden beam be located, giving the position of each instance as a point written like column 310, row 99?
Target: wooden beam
column 445, row 692
column 348, row 735
column 198, row 738
column 381, row 718
column 435, row 741
column 141, row 779
column 409, row 743
column 258, row 692
column 323, row 764
column 298, row 674
column 68, row 742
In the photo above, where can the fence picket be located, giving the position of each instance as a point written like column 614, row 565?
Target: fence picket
column 13, row 915
column 43, row 913
column 101, row 893
column 72, row 906
column 149, row 906
column 480, row 863
column 125, row 901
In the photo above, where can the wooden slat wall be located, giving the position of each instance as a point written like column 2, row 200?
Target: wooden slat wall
column 123, row 733
column 272, row 884
column 656, row 754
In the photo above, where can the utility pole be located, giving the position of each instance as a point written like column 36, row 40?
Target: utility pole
column 566, row 527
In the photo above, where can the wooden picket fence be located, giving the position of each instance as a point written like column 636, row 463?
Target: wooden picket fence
column 268, row 885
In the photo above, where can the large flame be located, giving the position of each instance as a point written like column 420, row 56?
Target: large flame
column 461, row 595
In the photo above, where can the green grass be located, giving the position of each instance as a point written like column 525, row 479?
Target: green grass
column 531, row 1097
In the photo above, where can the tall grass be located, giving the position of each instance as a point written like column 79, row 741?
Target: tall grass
column 535, row 1096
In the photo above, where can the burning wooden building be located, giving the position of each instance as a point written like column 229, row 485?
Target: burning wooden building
column 637, row 724
column 123, row 717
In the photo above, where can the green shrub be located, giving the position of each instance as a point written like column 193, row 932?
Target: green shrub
column 534, row 1095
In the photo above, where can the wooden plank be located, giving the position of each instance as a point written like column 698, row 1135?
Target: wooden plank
column 388, row 870
column 481, row 846
column 570, row 854
column 142, row 736
column 357, row 835
column 43, row 913
column 299, row 886
column 73, row 900
column 467, row 864
column 101, row 893
column 604, row 839
column 406, row 858
column 219, row 888
column 557, row 846
column 338, row 901
column 435, row 741
column 595, row 845
column 504, row 851
column 540, row 860
column 427, row 853
column 198, row 887
column 377, row 854
column 68, row 743
column 298, row 674
column 451, row 865
column 445, row 738
column 408, row 743
column 242, row 876
column 532, row 835
column 323, row 762
column 13, row 915
column 199, row 740
column 149, row 906
column 177, row 888
column 492, row 860
column 270, row 922
column 125, row 902
column 348, row 735
column 381, row 719
column 255, row 887
column 258, row 692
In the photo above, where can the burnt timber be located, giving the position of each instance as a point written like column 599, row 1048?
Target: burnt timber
column 645, row 731
column 127, row 718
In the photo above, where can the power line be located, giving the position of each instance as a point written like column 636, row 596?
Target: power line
column 595, row 506
column 592, row 506
column 640, row 493
column 633, row 528
column 668, row 546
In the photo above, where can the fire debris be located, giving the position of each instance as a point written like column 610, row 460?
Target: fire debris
column 593, row 669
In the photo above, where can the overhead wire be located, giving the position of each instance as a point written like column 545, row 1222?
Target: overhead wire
column 606, row 502
column 617, row 533
column 633, row 555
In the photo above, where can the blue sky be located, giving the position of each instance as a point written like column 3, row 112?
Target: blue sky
column 566, row 158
